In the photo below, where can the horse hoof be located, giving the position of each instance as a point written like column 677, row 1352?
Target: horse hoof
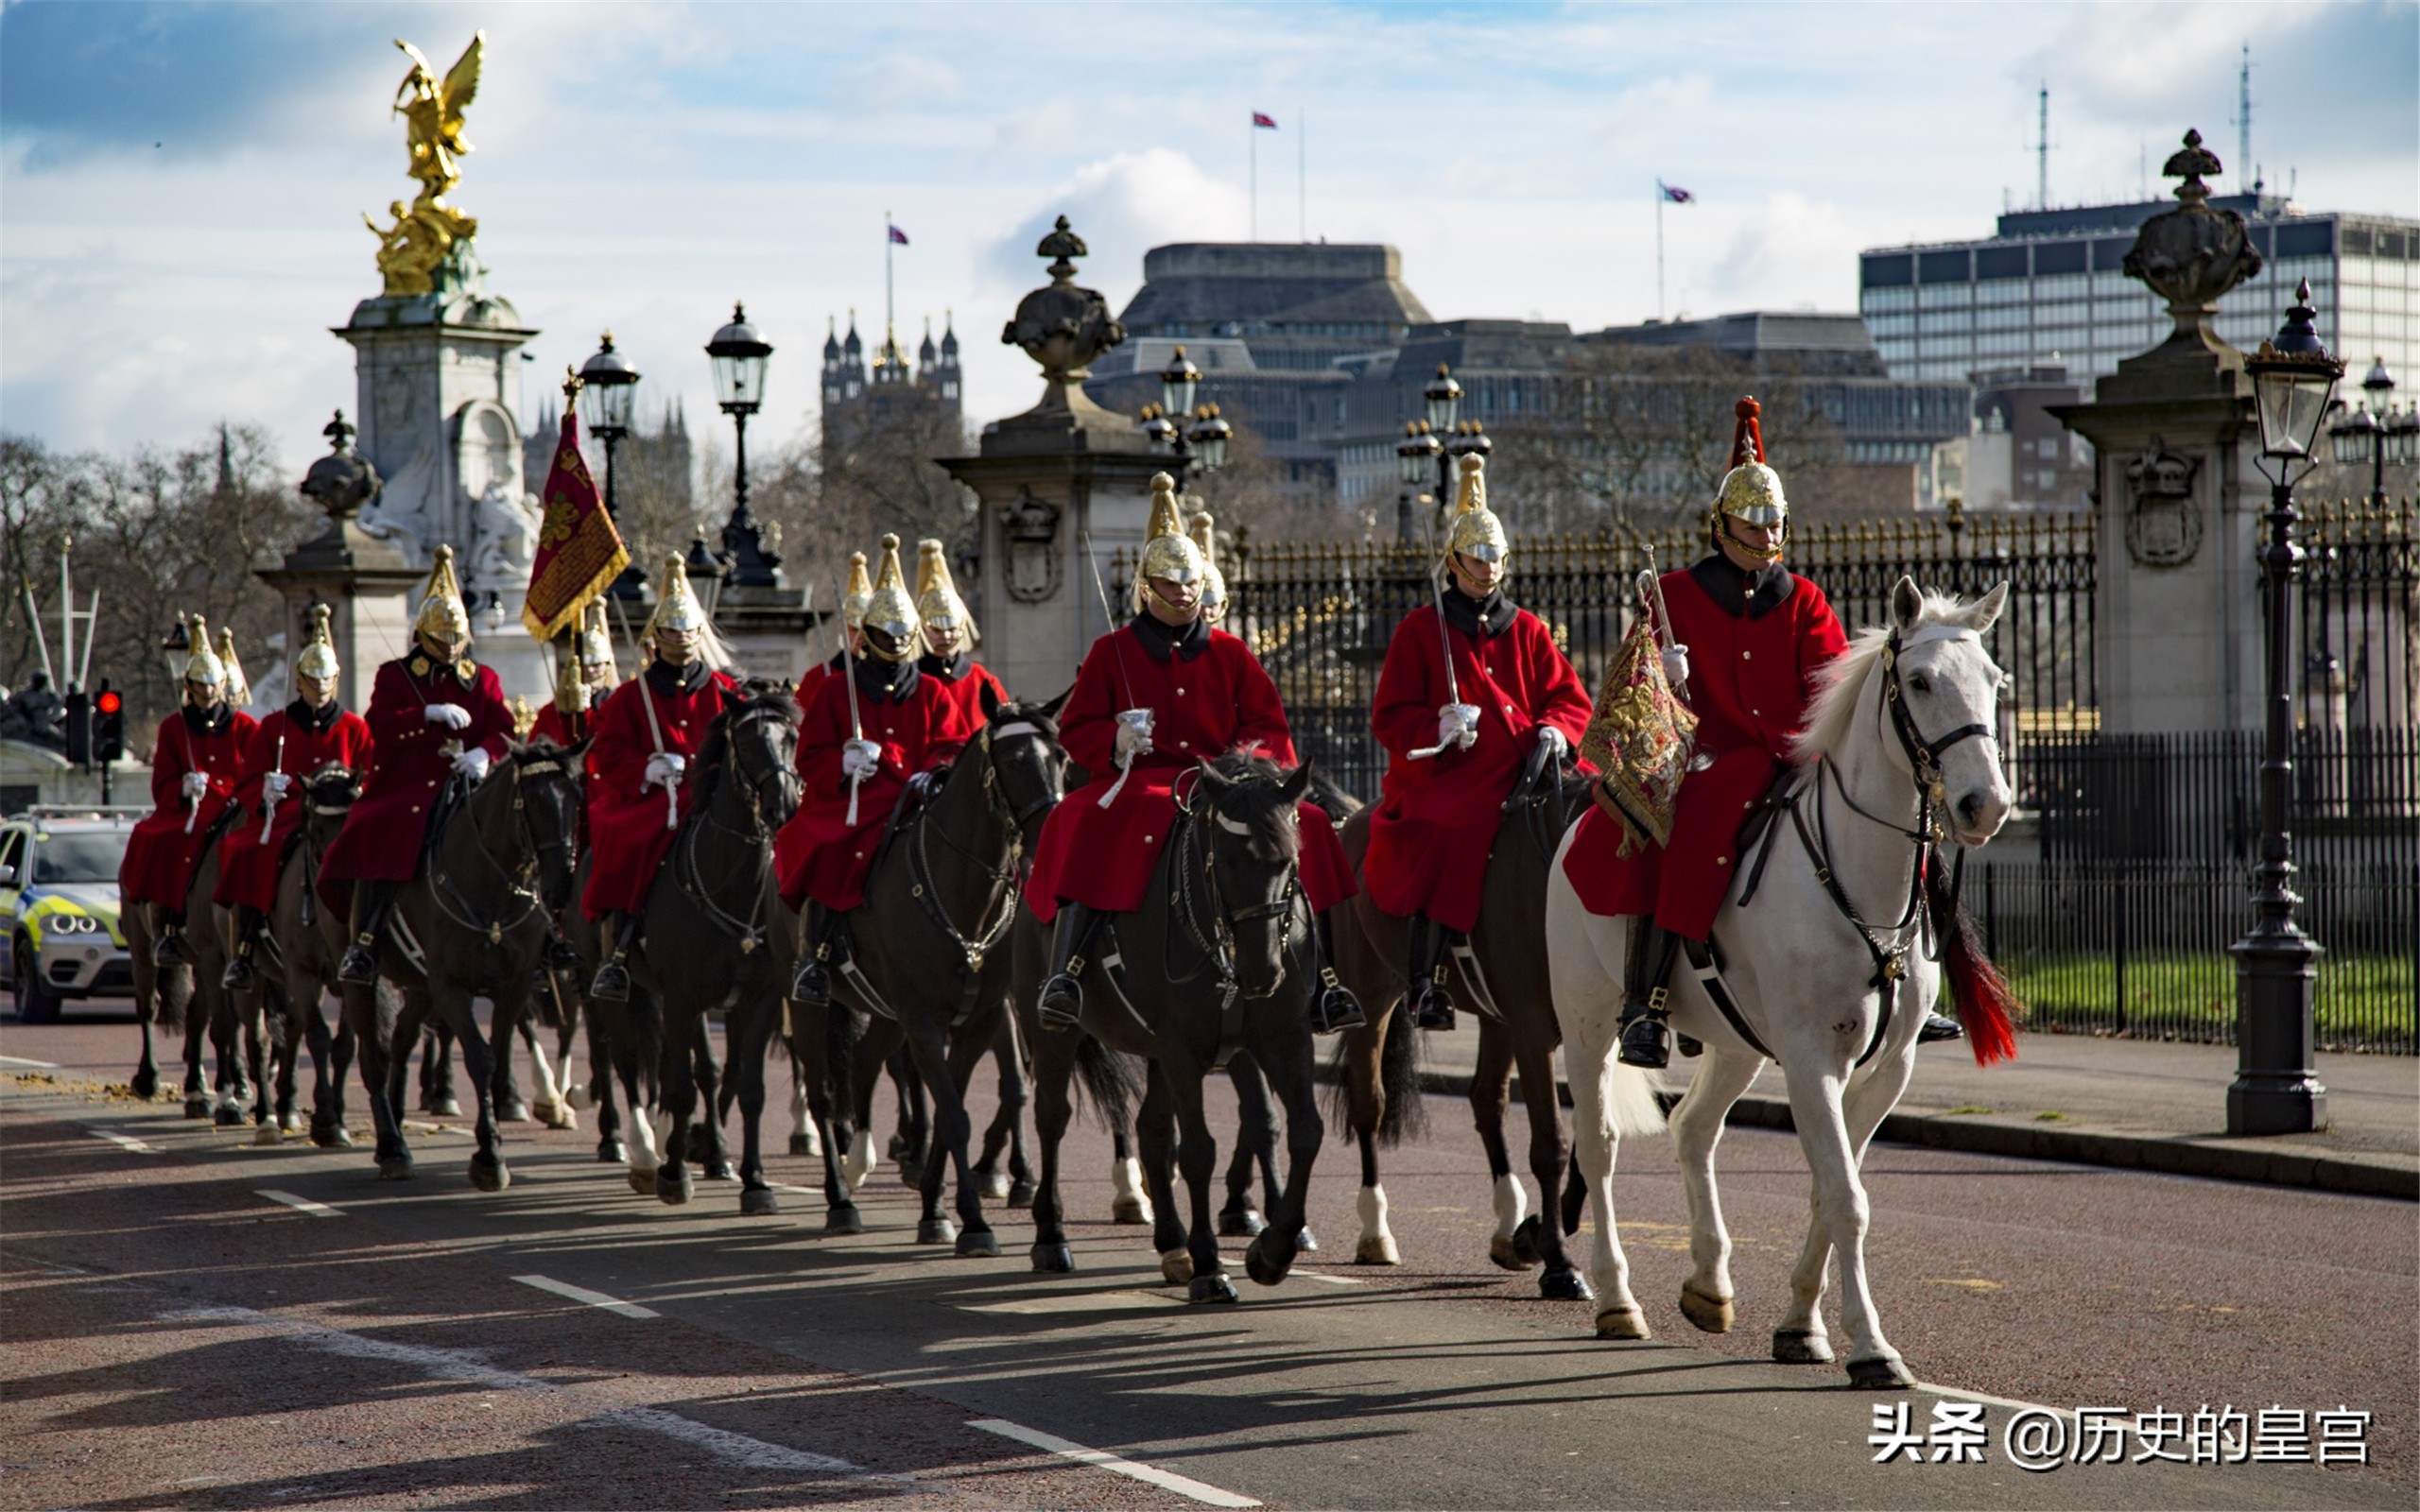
column 758, row 1201
column 612, row 1152
column 978, row 1242
column 1376, row 1250
column 844, row 1220
column 1262, row 1269
column 643, row 1182
column 911, row 1174
column 719, row 1170
column 1211, row 1289
column 1622, row 1323
column 229, row 1116
column 1565, row 1286
column 1801, row 1347
column 489, row 1176
column 993, row 1185
column 145, row 1085
column 557, row 1115
column 1712, row 1315
column 197, row 1106
column 898, row 1149
column 1525, row 1242
column 672, row 1191
column 801, row 1144
column 934, row 1232
column 1176, row 1267
column 290, row 1123
column 1020, row 1193
column 512, row 1111
column 395, row 1168
column 330, row 1136
column 1130, row 1210
column 1882, row 1373
column 443, row 1108
column 1240, row 1222
column 1507, row 1256
column 1056, row 1258
column 264, row 1134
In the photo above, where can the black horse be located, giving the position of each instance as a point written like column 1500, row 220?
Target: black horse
column 301, row 945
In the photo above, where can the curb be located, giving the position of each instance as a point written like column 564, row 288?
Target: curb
column 2172, row 1154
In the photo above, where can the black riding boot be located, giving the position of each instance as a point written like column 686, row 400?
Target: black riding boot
column 613, row 980
column 1647, row 1038
column 1333, row 1007
column 1062, row 1002
column 811, row 984
column 247, row 934
column 1938, row 1028
column 371, row 901
column 1430, row 1007
column 562, row 956
column 170, row 950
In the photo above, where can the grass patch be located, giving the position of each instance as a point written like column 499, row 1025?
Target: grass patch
column 2360, row 1001
column 2050, row 1115
column 1969, row 1108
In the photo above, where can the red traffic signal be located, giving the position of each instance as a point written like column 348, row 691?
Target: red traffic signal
column 107, row 701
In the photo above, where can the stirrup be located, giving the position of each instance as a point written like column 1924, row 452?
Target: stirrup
column 1334, row 1009
column 1646, row 1043
column 1430, row 1007
column 810, row 984
column 1061, row 1002
column 167, row 950
column 239, row 973
column 611, row 982
column 562, row 954
column 1938, row 1028
column 359, row 966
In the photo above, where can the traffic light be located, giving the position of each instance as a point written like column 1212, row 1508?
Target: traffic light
column 108, row 723
column 78, row 720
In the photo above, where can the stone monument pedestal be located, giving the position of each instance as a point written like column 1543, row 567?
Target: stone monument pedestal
column 369, row 582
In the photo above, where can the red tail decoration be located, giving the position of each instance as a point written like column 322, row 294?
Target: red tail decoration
column 1986, row 1008
column 1748, row 434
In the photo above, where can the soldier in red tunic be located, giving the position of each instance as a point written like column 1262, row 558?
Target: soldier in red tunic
column 1456, row 742
column 647, row 734
column 853, row 617
column 856, row 752
column 434, row 714
column 583, row 680
column 194, row 768
column 1153, row 698
column 949, row 637
column 311, row 732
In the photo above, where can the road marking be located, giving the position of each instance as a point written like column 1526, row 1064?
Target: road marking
column 123, row 1142
column 29, row 1065
column 1148, row 1474
column 317, row 1209
column 2010, row 1403
column 581, row 1294
column 1309, row 1275
column 1073, row 1302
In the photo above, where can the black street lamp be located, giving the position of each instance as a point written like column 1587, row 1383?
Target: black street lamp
column 2376, row 433
column 1194, row 434
column 2277, row 964
column 608, row 386
column 739, row 356
column 1443, row 400
column 1416, row 457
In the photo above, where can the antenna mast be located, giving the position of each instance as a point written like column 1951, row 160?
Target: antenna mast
column 2243, row 123
column 2042, row 152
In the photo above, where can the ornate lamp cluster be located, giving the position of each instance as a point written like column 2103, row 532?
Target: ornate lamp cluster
column 1191, row 433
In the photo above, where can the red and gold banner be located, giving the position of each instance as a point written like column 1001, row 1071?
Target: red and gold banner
column 580, row 553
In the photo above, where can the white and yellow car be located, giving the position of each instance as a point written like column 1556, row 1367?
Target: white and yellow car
column 58, row 904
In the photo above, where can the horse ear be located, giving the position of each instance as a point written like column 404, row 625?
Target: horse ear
column 1907, row 603
column 1050, row 709
column 990, row 700
column 1299, row 784
column 1985, row 611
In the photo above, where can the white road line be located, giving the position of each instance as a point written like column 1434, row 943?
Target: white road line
column 1149, row 1475
column 29, row 1065
column 123, row 1142
column 2012, row 1403
column 1075, row 1302
column 317, row 1209
column 581, row 1294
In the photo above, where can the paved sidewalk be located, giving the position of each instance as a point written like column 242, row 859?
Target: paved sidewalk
column 2107, row 1102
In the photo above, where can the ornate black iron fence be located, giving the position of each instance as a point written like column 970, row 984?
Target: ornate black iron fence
column 2361, row 614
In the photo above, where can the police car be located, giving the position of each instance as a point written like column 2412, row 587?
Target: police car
column 59, row 903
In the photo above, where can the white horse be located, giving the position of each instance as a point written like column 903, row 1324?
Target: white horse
column 1900, row 742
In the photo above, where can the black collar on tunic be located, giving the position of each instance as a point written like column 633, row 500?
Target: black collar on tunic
column 895, row 680
column 668, row 679
column 302, row 716
column 952, row 669
column 211, row 721
column 1478, row 617
column 1749, row 595
column 1188, row 639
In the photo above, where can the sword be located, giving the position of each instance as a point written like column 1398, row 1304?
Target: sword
column 1652, row 588
column 654, row 729
column 1125, row 763
column 1444, row 640
column 269, row 805
column 848, row 676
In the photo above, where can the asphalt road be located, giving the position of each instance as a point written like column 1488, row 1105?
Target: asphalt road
column 176, row 1338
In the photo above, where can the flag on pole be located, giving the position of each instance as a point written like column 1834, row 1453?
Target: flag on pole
column 580, row 553
column 1676, row 194
column 898, row 237
column 1266, row 123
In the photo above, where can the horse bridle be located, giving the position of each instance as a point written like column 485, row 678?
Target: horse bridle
column 1000, row 907
column 459, row 909
column 1218, row 949
column 750, row 932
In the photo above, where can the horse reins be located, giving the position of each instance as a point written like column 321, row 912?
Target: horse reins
column 999, row 904
column 750, row 932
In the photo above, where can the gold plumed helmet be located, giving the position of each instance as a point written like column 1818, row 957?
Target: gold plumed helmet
column 571, row 687
column 1168, row 551
column 937, row 603
column 676, row 603
column 890, row 610
column 239, row 687
column 1750, row 491
column 1214, row 582
column 1476, row 531
column 860, row 594
column 318, row 659
column 442, row 614
column 596, row 641
column 202, row 662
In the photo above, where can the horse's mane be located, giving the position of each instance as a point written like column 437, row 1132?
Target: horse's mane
column 1257, row 799
column 1838, row 681
column 713, row 753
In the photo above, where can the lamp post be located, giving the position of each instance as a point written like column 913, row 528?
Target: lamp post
column 1194, row 434
column 609, row 385
column 2376, row 433
column 1443, row 400
column 740, row 354
column 2274, row 1092
column 1415, row 457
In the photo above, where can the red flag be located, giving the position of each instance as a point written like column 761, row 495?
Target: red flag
column 1267, row 123
column 898, row 237
column 580, row 553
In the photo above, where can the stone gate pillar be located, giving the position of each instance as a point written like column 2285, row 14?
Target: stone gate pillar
column 368, row 581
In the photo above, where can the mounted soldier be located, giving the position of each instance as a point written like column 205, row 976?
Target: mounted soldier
column 868, row 732
column 647, row 734
column 1155, row 699
column 312, row 733
column 194, row 769
column 950, row 636
column 434, row 714
column 584, row 679
column 1472, row 685
column 852, row 618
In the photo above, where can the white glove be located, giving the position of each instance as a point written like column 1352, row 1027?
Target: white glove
column 1456, row 725
column 452, row 715
column 665, row 769
column 472, row 763
column 197, row 783
column 859, row 757
column 1553, row 739
column 1133, row 733
column 277, row 784
column 1676, row 666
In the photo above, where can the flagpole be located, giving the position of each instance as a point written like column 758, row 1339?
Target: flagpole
column 890, row 299
column 1254, row 128
column 1659, row 251
column 1302, row 174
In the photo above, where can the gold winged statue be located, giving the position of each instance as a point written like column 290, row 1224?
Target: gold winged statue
column 415, row 247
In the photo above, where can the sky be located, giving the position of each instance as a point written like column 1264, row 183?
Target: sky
column 182, row 186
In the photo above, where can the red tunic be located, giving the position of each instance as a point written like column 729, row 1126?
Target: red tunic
column 820, row 855
column 963, row 679
column 162, row 852
column 292, row 741
column 382, row 836
column 1750, row 683
column 626, row 828
column 1206, row 706
column 1430, row 836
